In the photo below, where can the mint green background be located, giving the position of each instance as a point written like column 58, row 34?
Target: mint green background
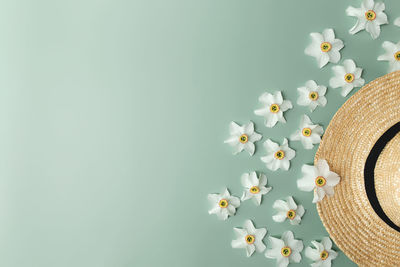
column 113, row 115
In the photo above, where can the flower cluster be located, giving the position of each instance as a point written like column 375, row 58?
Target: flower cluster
column 318, row 178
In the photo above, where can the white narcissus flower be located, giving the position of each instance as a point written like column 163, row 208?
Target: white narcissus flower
column 278, row 157
column 274, row 106
column 370, row 17
column 249, row 238
column 396, row 22
column 347, row 76
column 309, row 133
column 288, row 210
column 223, row 205
column 324, row 47
column 285, row 250
column 312, row 95
column 392, row 55
column 318, row 178
column 243, row 137
column 254, row 187
column 322, row 254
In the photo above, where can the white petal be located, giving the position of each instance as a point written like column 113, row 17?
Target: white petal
column 249, row 227
column 296, row 136
column 373, row 28
column 322, row 167
column 300, row 210
column 326, row 242
column 222, row 214
column 359, row 26
column 260, row 247
column 312, row 85
column 273, row 253
column 397, row 22
column 337, row 45
column 233, row 201
column 271, row 146
column 332, row 179
column 281, row 205
column 249, row 147
column 336, row 82
column 279, row 217
column 271, row 121
column 296, row 245
column 296, row 220
column 257, row 199
column 246, row 195
column 322, row 101
column 306, row 184
column 295, row 257
column 267, row 99
column 332, row 254
column 235, row 129
column 303, row 100
column 260, row 233
column 253, row 179
column 379, row 7
column 239, row 243
column 349, row 66
column 381, row 18
column 367, row 4
column 290, row 201
column 276, row 243
column 286, row 104
column 278, row 99
column 354, row 12
column 282, row 262
column 263, row 180
column 334, row 56
column 323, row 59
column 250, row 250
column 255, row 137
column 307, row 143
column 319, row 194
column 248, row 128
column 328, row 35
column 312, row 254
column 287, row 237
column 305, row 121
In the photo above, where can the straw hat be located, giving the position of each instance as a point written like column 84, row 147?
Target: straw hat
column 362, row 145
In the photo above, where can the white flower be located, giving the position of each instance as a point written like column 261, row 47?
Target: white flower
column 370, row 17
column 324, row 47
column 243, row 137
column 347, row 76
column 396, row 22
column 223, row 205
column 312, row 95
column 254, row 187
column 273, row 109
column 278, row 157
column 285, row 250
column 392, row 55
column 318, row 178
column 323, row 254
column 309, row 133
column 288, row 210
column 249, row 238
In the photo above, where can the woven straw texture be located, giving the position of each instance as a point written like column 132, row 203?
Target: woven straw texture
column 348, row 216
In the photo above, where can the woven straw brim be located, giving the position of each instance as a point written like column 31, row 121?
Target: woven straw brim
column 348, row 215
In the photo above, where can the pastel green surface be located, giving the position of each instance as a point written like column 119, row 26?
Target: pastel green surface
column 113, row 115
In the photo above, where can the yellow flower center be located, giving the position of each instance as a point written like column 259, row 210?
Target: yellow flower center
column 250, row 239
column 274, row 108
column 326, row 47
column 279, row 154
column 306, row 132
column 223, row 203
column 243, row 138
column 370, row 15
column 349, row 77
column 313, row 96
column 320, row 181
column 286, row 251
column 254, row 189
column 291, row 214
column 324, row 255
column 397, row 55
